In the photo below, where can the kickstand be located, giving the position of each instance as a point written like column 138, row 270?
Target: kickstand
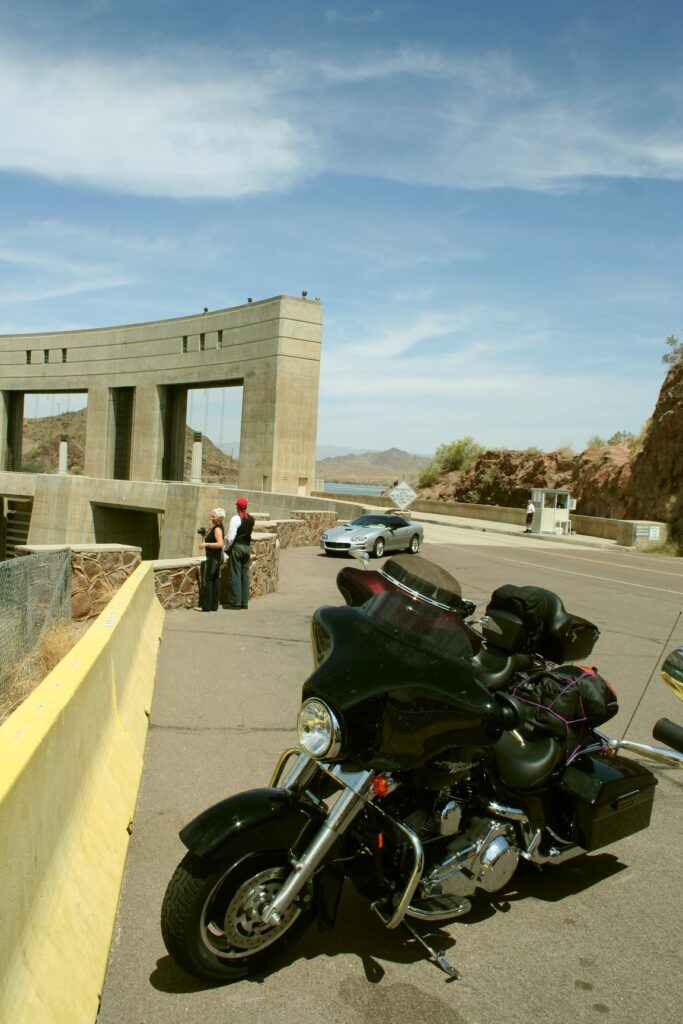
column 438, row 958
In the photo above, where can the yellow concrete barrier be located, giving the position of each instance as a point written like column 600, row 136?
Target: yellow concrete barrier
column 70, row 769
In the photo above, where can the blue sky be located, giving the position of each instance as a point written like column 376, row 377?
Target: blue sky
column 486, row 196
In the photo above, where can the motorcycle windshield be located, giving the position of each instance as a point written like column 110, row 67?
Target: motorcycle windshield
column 398, row 674
column 420, row 626
column 431, row 582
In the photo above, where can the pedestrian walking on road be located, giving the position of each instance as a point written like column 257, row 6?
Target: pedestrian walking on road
column 212, row 543
column 239, row 551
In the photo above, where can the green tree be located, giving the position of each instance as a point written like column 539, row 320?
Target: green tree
column 624, row 437
column 676, row 353
column 595, row 441
column 458, row 454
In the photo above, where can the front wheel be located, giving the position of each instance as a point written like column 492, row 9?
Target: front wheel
column 378, row 549
column 211, row 918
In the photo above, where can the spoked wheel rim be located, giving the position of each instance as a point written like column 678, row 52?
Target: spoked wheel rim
column 414, row 544
column 232, row 925
column 379, row 548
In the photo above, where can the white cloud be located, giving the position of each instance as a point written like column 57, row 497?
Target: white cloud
column 192, row 124
column 150, row 127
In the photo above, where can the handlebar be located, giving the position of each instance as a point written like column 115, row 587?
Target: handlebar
column 669, row 733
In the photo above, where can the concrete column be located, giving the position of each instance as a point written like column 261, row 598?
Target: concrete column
column 4, row 420
column 11, row 430
column 279, row 423
column 196, row 470
column 99, row 433
column 63, row 453
column 147, row 448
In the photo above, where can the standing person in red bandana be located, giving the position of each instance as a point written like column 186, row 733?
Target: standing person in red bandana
column 239, row 549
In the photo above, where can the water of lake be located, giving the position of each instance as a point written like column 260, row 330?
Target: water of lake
column 336, row 488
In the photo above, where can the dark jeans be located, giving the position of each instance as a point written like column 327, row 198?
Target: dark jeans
column 239, row 575
column 211, row 584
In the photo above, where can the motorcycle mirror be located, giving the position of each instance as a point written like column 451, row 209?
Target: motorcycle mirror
column 362, row 556
column 672, row 671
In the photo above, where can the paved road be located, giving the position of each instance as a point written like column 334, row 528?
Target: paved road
column 594, row 940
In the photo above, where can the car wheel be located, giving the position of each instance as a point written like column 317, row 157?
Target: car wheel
column 414, row 545
column 378, row 549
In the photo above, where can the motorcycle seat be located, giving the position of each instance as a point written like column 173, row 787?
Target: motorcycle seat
column 493, row 668
column 557, row 618
column 529, row 765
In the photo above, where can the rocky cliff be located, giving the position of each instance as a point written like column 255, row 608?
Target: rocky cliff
column 607, row 481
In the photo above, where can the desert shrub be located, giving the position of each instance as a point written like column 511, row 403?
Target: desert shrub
column 595, row 441
column 429, row 475
column 21, row 679
column 458, row 454
column 676, row 353
column 623, row 437
column 667, row 547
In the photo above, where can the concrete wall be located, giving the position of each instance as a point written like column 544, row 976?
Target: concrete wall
column 70, row 768
column 71, row 509
column 627, row 532
column 270, row 348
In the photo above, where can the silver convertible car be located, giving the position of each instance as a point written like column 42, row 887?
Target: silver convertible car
column 375, row 534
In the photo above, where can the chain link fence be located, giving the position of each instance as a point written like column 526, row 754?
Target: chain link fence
column 35, row 594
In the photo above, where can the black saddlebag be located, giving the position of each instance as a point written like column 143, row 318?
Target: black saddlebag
column 567, row 702
column 517, row 617
column 612, row 799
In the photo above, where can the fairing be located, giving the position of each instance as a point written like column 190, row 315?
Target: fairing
column 398, row 674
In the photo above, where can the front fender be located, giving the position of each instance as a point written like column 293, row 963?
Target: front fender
column 267, row 818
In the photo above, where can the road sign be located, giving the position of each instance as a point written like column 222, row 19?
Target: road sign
column 402, row 495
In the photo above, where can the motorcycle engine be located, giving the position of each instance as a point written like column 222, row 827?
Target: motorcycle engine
column 483, row 856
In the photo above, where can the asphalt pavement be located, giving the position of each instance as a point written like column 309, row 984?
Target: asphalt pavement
column 597, row 939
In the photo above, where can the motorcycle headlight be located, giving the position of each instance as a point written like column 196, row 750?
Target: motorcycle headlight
column 318, row 729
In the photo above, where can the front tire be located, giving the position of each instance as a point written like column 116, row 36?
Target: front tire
column 414, row 545
column 378, row 549
column 210, row 918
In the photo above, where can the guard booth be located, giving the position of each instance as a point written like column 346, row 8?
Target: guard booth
column 553, row 506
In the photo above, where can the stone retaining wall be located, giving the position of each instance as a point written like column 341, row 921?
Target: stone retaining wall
column 305, row 528
column 98, row 570
column 96, row 576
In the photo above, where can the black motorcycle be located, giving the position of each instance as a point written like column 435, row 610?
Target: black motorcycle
column 414, row 779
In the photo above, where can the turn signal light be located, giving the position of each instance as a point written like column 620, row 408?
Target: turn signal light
column 380, row 785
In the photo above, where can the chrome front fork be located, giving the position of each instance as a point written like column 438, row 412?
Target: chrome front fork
column 357, row 790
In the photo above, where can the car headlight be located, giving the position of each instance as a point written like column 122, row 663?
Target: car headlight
column 318, row 729
column 359, row 539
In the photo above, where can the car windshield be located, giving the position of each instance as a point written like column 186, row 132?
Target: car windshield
column 370, row 521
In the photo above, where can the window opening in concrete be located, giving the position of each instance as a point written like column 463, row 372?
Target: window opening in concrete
column 216, row 413
column 123, row 401
column 46, row 355
column 136, row 527
column 184, row 345
column 202, row 339
column 63, row 355
column 28, row 356
column 14, row 525
column 42, row 417
column 219, row 339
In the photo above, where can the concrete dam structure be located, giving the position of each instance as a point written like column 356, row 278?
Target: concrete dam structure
column 137, row 379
